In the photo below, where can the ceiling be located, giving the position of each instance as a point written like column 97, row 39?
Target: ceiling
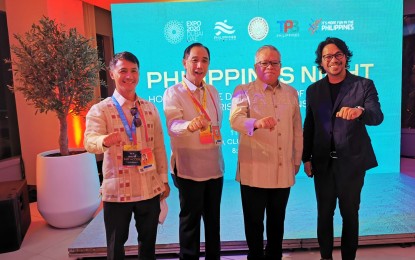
column 106, row 4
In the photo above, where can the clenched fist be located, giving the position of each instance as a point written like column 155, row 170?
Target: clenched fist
column 111, row 139
column 197, row 123
column 266, row 122
column 349, row 113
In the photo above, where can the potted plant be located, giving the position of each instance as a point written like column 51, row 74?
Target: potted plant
column 57, row 70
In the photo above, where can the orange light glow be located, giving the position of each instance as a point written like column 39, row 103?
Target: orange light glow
column 76, row 128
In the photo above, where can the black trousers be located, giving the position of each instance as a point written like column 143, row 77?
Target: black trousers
column 117, row 217
column 197, row 200
column 255, row 202
column 338, row 184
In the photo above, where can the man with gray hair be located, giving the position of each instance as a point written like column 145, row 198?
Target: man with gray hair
column 267, row 116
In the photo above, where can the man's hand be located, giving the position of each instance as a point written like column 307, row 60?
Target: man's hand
column 197, row 123
column 166, row 192
column 111, row 139
column 349, row 113
column 266, row 123
column 308, row 169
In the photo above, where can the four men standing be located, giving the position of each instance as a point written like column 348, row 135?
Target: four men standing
column 266, row 114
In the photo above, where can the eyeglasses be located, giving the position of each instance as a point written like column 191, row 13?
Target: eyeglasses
column 329, row 57
column 136, row 120
column 265, row 64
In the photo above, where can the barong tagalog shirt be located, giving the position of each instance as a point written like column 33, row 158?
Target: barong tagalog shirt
column 127, row 183
column 267, row 159
column 192, row 159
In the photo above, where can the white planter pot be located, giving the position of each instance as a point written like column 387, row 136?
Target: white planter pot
column 67, row 188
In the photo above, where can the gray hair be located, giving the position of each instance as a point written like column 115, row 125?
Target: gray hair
column 263, row 48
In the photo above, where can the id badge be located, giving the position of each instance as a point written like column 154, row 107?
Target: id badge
column 217, row 138
column 131, row 156
column 147, row 159
column 205, row 136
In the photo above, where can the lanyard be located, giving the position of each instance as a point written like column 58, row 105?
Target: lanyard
column 131, row 130
column 214, row 104
column 199, row 106
column 143, row 118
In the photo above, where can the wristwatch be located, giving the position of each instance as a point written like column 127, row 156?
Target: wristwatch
column 361, row 108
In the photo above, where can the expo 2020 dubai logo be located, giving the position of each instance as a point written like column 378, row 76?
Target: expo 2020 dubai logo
column 258, row 28
column 174, row 32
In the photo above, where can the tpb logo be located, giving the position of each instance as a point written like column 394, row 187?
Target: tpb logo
column 288, row 26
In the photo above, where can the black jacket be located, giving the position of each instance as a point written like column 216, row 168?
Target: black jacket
column 351, row 140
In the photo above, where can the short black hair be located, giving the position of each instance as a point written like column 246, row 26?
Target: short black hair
column 190, row 47
column 125, row 55
column 340, row 44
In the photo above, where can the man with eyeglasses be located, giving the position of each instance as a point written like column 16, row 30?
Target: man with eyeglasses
column 127, row 129
column 337, row 147
column 266, row 115
column 194, row 118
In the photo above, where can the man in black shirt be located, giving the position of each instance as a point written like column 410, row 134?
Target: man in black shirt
column 337, row 148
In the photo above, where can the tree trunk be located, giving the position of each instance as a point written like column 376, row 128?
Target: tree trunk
column 63, row 136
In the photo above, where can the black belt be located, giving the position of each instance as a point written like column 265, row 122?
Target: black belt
column 333, row 155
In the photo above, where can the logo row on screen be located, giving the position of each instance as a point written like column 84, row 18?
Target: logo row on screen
column 258, row 29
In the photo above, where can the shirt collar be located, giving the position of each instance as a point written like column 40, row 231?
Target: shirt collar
column 264, row 86
column 121, row 100
column 190, row 85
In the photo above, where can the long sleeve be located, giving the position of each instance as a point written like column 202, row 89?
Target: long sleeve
column 159, row 148
column 308, row 132
column 273, row 153
column 174, row 112
column 123, row 183
column 239, row 115
column 373, row 114
column 298, row 134
column 95, row 130
column 190, row 158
